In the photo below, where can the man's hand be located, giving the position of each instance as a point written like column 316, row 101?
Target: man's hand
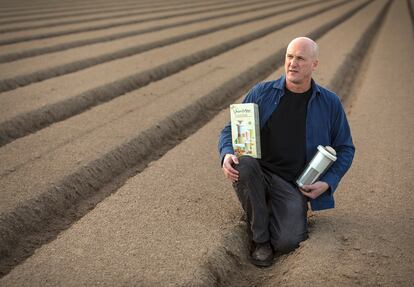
column 314, row 190
column 229, row 161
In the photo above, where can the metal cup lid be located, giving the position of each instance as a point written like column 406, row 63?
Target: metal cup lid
column 328, row 151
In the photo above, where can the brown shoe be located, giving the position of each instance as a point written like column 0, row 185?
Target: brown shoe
column 262, row 255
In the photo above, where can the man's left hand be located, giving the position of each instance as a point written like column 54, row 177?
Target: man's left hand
column 314, row 190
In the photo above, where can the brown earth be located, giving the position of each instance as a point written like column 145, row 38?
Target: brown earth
column 177, row 222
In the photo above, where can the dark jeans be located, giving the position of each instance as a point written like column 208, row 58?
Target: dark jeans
column 275, row 208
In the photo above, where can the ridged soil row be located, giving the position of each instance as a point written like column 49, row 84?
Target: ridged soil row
column 410, row 4
column 12, row 38
column 175, row 212
column 52, row 186
column 26, row 72
column 92, row 16
column 97, row 10
column 154, row 56
column 65, row 42
column 22, row 123
column 24, row 50
column 28, row 10
column 35, row 7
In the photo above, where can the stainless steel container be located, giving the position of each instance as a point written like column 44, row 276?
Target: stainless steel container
column 322, row 160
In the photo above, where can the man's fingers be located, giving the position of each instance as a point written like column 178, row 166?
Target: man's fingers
column 231, row 170
column 233, row 178
column 228, row 167
column 307, row 188
column 303, row 192
column 231, row 173
column 314, row 190
column 307, row 193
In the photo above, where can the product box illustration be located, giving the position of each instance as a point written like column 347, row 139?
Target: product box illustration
column 245, row 129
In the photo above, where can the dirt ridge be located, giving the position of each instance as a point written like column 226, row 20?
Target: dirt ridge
column 411, row 12
column 109, row 17
column 35, row 215
column 73, row 44
column 26, row 123
column 223, row 264
column 348, row 72
column 40, row 75
column 111, row 25
column 77, row 7
column 98, row 10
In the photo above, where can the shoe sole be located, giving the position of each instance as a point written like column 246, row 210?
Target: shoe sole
column 260, row 263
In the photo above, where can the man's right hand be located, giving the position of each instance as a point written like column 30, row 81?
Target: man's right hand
column 228, row 167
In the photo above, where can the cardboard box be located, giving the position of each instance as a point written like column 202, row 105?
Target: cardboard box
column 245, row 129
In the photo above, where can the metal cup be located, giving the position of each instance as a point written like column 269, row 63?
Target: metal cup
column 322, row 160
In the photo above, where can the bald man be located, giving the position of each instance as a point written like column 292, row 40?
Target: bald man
column 296, row 115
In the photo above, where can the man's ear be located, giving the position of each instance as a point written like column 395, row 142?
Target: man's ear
column 314, row 65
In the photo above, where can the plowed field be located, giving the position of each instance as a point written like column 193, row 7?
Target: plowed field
column 109, row 121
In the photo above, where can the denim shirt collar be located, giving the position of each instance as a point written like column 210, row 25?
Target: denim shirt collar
column 281, row 82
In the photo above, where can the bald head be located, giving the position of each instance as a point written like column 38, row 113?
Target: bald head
column 300, row 61
column 306, row 44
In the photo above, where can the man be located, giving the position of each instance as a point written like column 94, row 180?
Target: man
column 296, row 115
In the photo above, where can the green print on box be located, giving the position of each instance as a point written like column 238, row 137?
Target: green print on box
column 245, row 129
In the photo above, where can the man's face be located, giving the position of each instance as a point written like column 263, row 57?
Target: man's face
column 300, row 62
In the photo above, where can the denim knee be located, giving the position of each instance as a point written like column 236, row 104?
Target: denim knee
column 247, row 167
column 286, row 244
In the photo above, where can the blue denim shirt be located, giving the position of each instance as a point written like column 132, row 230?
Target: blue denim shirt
column 326, row 124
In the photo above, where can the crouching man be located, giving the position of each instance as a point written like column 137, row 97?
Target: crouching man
column 296, row 115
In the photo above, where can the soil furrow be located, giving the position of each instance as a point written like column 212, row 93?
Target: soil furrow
column 92, row 176
column 22, row 159
column 411, row 12
column 128, row 244
column 37, row 119
column 22, row 80
column 95, row 11
column 347, row 73
column 30, row 37
column 26, row 17
column 131, row 11
column 55, row 90
column 13, row 56
column 48, row 6
column 10, row 12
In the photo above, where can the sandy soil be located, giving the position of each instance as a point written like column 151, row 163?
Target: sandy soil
column 92, row 51
column 61, row 88
column 178, row 221
column 13, row 24
column 72, row 143
column 101, row 24
column 61, row 40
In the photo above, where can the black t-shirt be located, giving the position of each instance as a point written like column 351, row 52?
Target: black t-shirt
column 283, row 137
